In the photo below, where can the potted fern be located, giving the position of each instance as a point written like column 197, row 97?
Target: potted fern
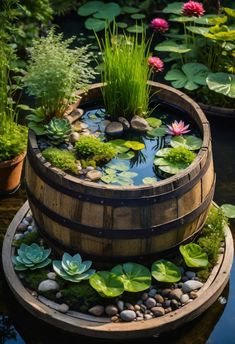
column 13, row 137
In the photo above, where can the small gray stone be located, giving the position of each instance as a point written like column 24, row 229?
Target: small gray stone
column 51, row 275
column 144, row 296
column 34, row 294
column 114, row 129
column 48, row 285
column 148, row 316
column 152, row 292
column 94, row 175
column 21, row 227
column 128, row 315
column 166, row 292
column 90, row 168
column 120, row 305
column 190, row 274
column 125, row 123
column 139, row 314
column 58, row 295
column 106, row 122
column 111, row 310
column 18, row 236
column 63, row 308
column 159, row 298
column 150, row 302
column 115, row 319
column 140, row 318
column 174, row 304
column 158, row 311
column 139, row 124
column 191, row 285
column 166, row 303
column 185, row 279
column 74, row 137
column 25, row 222
column 176, row 294
column 143, row 308
column 30, row 229
column 96, row 310
column 184, row 298
column 129, row 306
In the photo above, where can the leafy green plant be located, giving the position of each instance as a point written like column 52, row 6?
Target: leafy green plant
column 194, row 256
column 165, row 271
column 13, row 142
column 31, row 257
column 135, row 277
column 72, row 269
column 62, row 159
column 107, row 284
column 125, row 74
column 173, row 160
column 187, row 141
column 91, row 148
column 58, row 130
column 55, row 72
column 33, row 278
column 223, row 83
column 28, row 239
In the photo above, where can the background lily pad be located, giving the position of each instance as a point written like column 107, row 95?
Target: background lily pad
column 157, row 132
column 165, row 271
column 194, row 256
column 135, row 277
column 126, row 155
column 89, row 8
column 149, row 180
column 154, row 122
column 229, row 210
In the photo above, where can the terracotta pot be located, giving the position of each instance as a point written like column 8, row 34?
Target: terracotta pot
column 10, row 174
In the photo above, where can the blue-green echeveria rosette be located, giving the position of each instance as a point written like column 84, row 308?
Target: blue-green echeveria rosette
column 72, row 269
column 31, row 257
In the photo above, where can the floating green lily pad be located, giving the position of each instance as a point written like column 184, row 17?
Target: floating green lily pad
column 135, row 145
column 188, row 141
column 157, row 132
column 119, row 166
column 154, row 122
column 149, row 180
column 126, row 155
column 229, row 210
column 128, row 174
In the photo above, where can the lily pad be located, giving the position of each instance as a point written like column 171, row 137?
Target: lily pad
column 128, row 174
column 89, row 8
column 126, row 155
column 119, row 145
column 135, row 29
column 130, row 9
column 174, row 8
column 119, row 166
column 108, row 11
column 194, row 256
column 229, row 210
column 124, row 181
column 168, row 167
column 157, row 132
column 165, row 271
column 108, row 179
column 135, row 145
column 138, row 16
column 149, row 180
column 172, row 47
column 122, row 25
column 95, row 24
column 107, row 284
column 188, row 141
column 154, row 122
column 135, row 277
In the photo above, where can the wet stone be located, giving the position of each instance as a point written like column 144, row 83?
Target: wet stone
column 120, row 305
column 148, row 316
column 190, row 274
column 129, row 306
column 97, row 310
column 51, row 275
column 158, row 311
column 159, row 298
column 144, row 296
column 150, row 302
column 184, row 298
column 128, row 315
column 191, row 285
column 152, row 292
column 176, row 294
column 114, row 129
column 124, row 122
column 139, row 124
column 48, row 285
column 174, row 304
column 166, row 292
column 111, row 310
column 94, row 175
column 193, row 295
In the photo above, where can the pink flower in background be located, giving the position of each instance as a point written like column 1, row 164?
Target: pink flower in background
column 193, row 9
column 156, row 63
column 159, row 25
column 178, row 128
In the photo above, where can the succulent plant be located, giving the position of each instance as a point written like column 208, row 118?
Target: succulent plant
column 31, row 257
column 72, row 269
column 58, row 130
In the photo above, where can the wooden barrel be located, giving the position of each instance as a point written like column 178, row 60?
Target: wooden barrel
column 119, row 223
column 218, row 112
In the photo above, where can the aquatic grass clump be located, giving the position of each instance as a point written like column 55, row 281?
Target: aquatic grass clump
column 125, row 74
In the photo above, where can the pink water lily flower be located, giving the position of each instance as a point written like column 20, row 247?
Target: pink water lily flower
column 178, row 128
column 156, row 63
column 193, row 9
column 159, row 25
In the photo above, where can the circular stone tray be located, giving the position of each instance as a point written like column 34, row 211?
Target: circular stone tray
column 78, row 323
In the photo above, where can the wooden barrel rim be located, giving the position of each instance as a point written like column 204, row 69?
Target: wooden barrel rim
column 91, row 326
column 218, row 112
column 72, row 182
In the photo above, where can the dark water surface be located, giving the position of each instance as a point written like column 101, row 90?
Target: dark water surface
column 215, row 326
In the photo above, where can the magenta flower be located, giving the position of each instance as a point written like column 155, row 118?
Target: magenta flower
column 178, row 128
column 193, row 9
column 156, row 63
column 159, row 25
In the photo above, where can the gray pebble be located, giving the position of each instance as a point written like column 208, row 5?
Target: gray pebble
column 174, row 304
column 148, row 316
column 18, row 236
column 184, row 298
column 140, row 318
column 152, row 292
column 25, row 222
column 166, row 292
column 143, row 308
column 48, row 285
column 63, row 308
column 176, row 294
column 111, row 310
column 150, row 302
column 58, row 295
column 129, row 306
column 191, row 285
column 51, row 275
column 21, row 227
column 96, row 310
column 144, row 296
column 120, row 305
column 193, row 295
column 30, row 228
column 159, row 298
column 190, row 274
column 185, row 279
column 166, row 303
column 128, row 315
